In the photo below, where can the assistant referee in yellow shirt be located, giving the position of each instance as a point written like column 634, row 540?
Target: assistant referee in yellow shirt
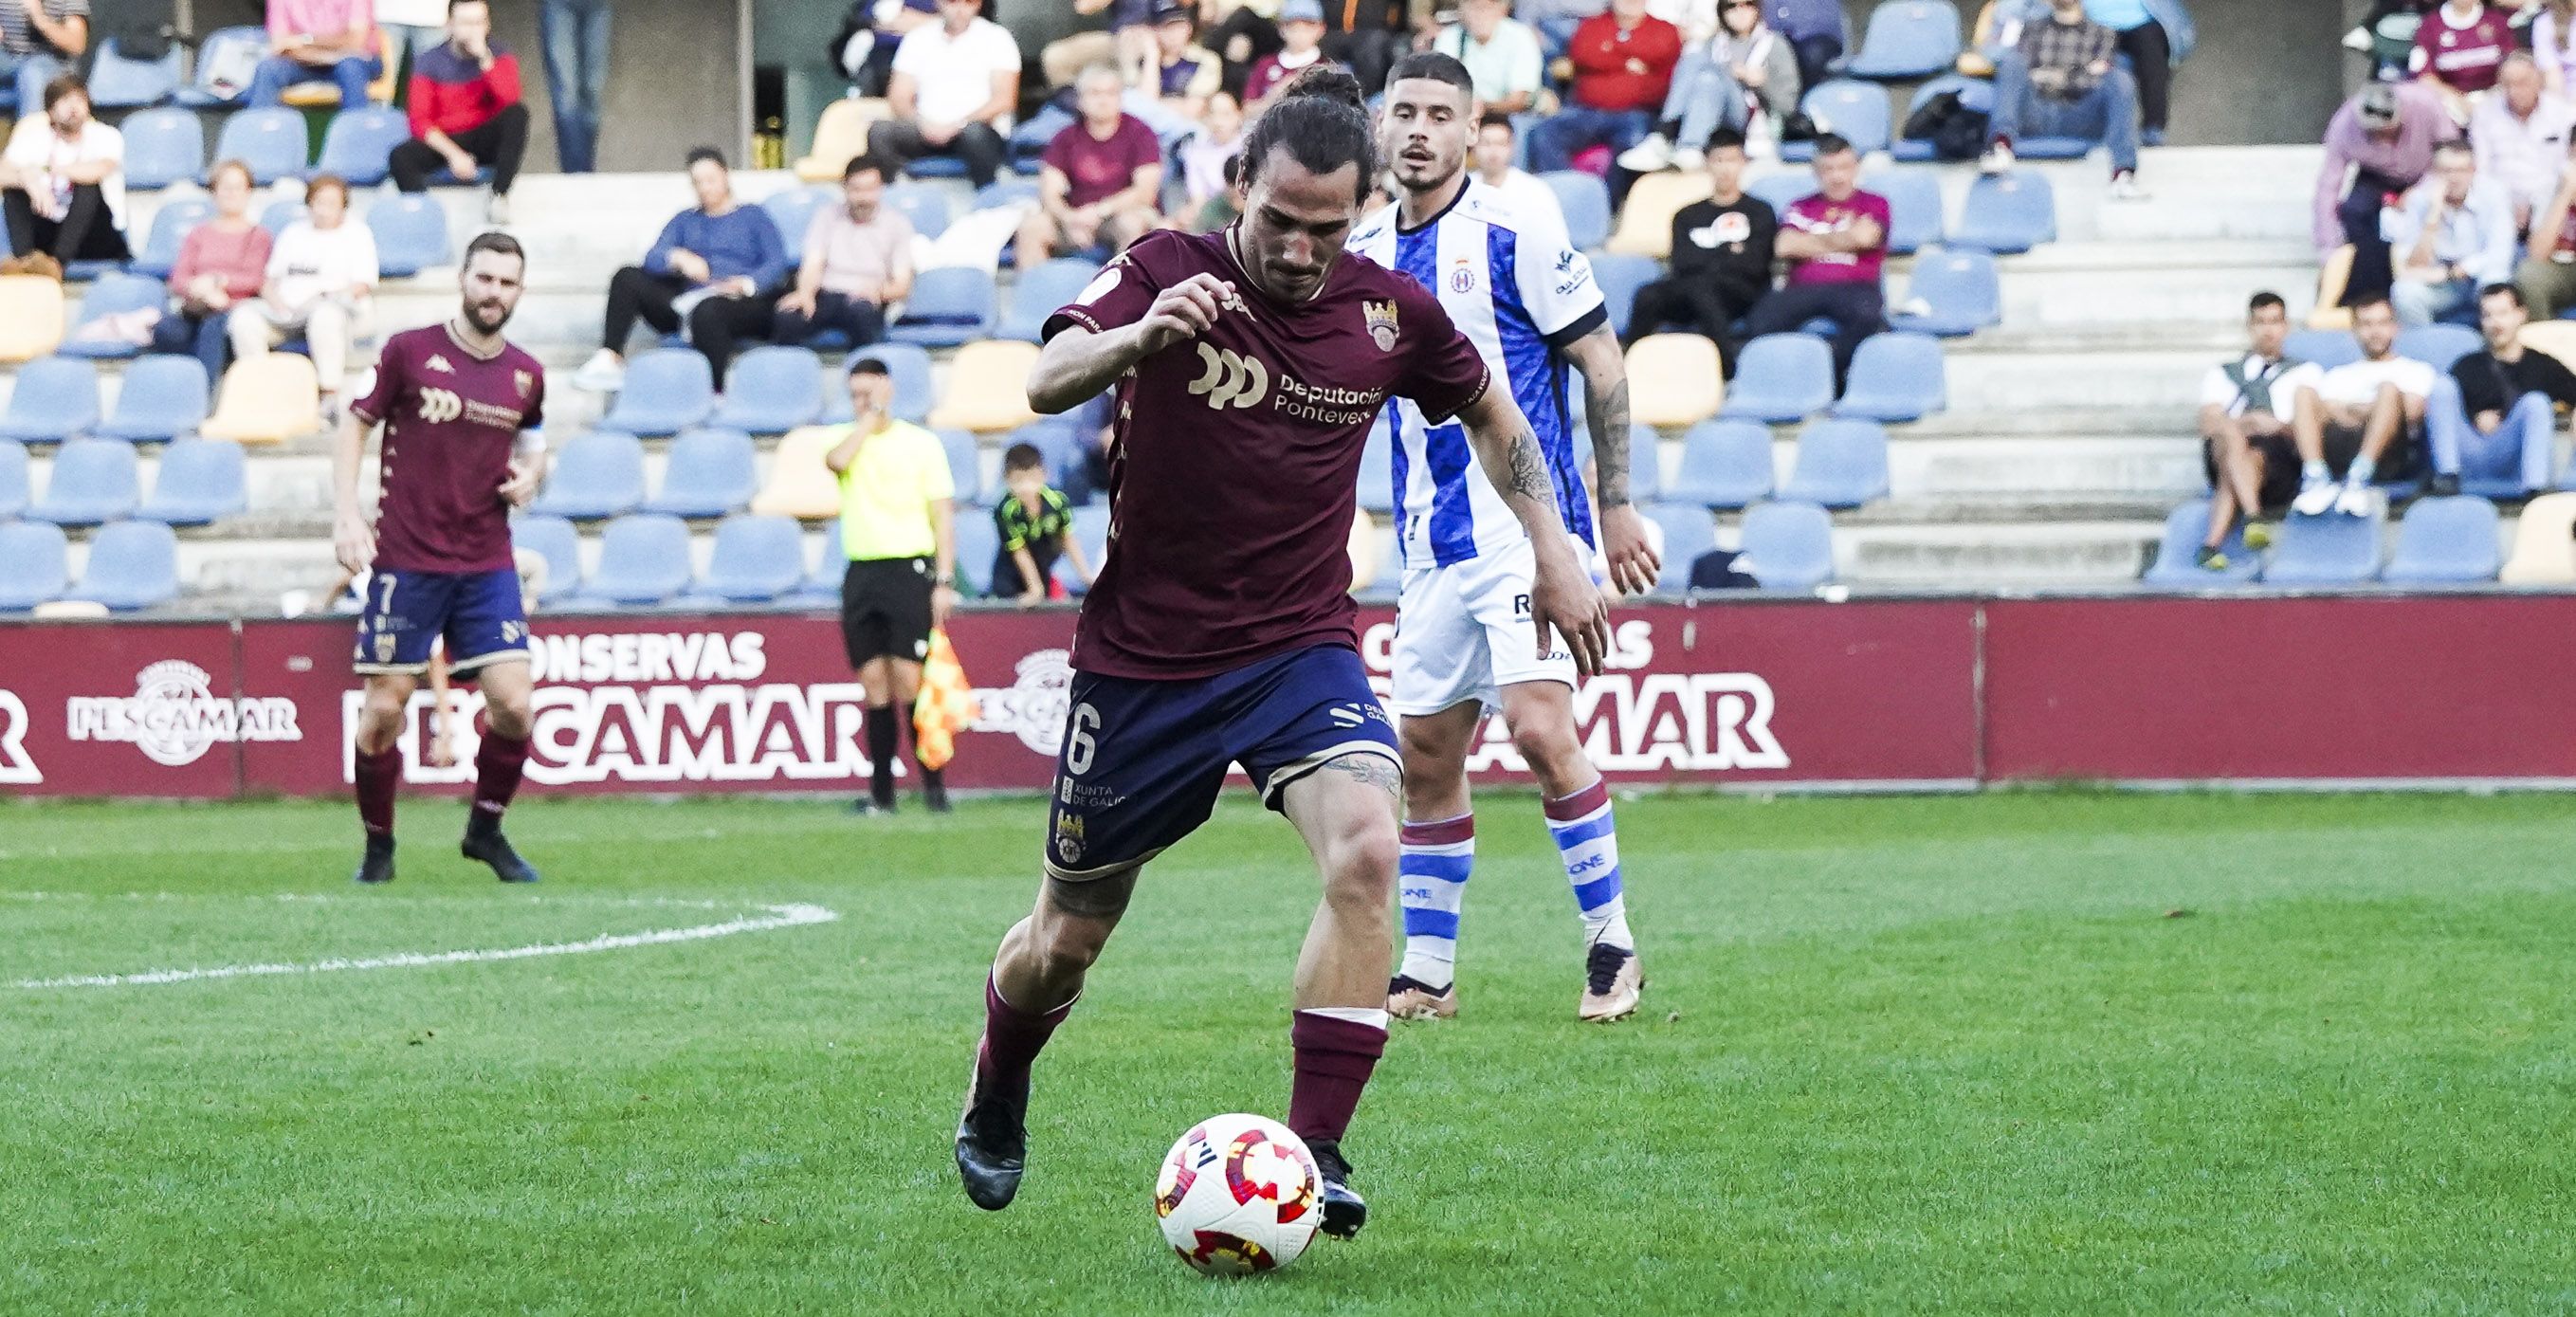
column 898, row 524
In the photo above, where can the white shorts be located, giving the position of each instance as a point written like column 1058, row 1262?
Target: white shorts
column 1463, row 632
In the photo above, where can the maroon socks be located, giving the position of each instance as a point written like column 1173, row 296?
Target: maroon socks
column 377, row 776
column 1333, row 1060
column 497, row 766
column 1012, row 1040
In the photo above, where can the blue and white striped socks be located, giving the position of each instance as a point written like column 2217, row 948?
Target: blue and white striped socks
column 1432, row 875
column 1588, row 842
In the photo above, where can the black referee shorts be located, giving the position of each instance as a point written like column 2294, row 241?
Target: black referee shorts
column 885, row 609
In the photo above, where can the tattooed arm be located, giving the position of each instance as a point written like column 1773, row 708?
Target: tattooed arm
column 1561, row 595
column 1633, row 562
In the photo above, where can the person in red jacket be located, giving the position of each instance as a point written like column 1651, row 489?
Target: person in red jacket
column 1623, row 64
column 465, row 110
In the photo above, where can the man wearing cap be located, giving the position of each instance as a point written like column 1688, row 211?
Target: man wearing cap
column 2382, row 140
column 1301, row 32
column 1190, row 72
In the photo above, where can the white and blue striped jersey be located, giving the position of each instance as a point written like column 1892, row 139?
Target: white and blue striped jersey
column 1517, row 288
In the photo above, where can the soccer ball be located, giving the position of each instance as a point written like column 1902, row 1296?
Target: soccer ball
column 1238, row 1194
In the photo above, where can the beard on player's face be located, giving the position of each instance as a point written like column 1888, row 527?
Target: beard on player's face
column 1294, row 221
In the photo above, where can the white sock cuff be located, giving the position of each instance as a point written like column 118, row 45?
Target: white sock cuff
column 1371, row 1016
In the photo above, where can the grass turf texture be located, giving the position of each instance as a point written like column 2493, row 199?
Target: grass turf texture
column 1898, row 1055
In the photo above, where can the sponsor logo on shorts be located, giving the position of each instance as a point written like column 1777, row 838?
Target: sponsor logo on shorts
column 174, row 715
column 1231, row 379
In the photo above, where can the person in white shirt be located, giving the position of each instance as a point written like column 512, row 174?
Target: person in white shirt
column 62, row 185
column 1501, row 53
column 2355, row 413
column 321, row 283
column 1743, row 78
column 1491, row 160
column 2520, row 135
column 2248, row 407
column 952, row 93
column 2450, row 236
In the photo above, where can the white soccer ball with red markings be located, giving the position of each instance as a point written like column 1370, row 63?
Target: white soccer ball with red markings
column 1238, row 1194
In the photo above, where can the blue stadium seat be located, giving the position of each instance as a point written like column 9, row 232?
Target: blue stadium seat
column 792, row 210
column 200, row 480
column 1389, row 582
column 55, row 399
column 411, row 235
column 755, row 559
column 1895, row 377
column 935, row 166
column 1913, row 207
column 2329, row 549
column 1781, row 378
column 270, row 141
column 93, row 481
column 1037, row 293
column 2439, row 345
column 1585, row 199
column 771, row 390
column 113, row 294
column 1377, row 472
column 170, row 226
column 2007, row 213
column 643, row 559
column 132, row 564
column 908, row 366
column 1620, row 277
column 1782, row 191
column 1788, row 545
column 2446, row 541
column 1004, row 192
column 2175, row 568
column 162, row 147
column 977, row 542
column 1091, row 530
column 283, row 214
column 1856, row 110
column 949, row 306
column 1907, row 39
column 822, row 587
column 1725, row 464
column 555, row 540
column 2054, row 148
column 966, row 469
column 213, row 54
column 667, row 390
column 1960, row 291
column 34, row 565
column 2322, row 348
column 359, row 143
column 599, row 474
column 1689, row 531
column 16, row 490
column 163, row 398
column 1645, row 463
column 1841, row 464
column 710, row 472
column 118, row 81
column 926, row 207
column 1974, row 93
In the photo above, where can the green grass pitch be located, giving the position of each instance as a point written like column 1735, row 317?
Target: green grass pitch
column 2060, row 1053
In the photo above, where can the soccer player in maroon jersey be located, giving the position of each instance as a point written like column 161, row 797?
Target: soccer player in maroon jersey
column 1250, row 365
column 459, row 405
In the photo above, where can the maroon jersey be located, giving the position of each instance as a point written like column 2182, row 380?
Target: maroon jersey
column 451, row 419
column 1234, row 465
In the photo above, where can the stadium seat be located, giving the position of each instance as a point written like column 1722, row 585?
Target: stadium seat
column 31, row 317
column 2556, row 338
column 1787, row 545
column 709, row 473
column 55, row 398
column 1377, row 472
column 599, row 474
column 1907, row 39
column 2323, row 348
column 2054, row 148
column 113, row 294
column 1781, row 378
column 1620, row 277
column 1689, row 531
column 799, row 485
column 1676, row 380
column 840, row 136
column 1585, row 199
column 771, row 390
column 1959, row 291
column 132, row 565
column 1725, row 464
column 118, row 81
column 1974, row 93
column 1389, row 581
column 16, row 489
column 643, row 559
column 1646, row 219
column 266, row 400
column 2007, row 213
column 2438, row 345
column 906, row 365
column 792, row 210
column 1840, row 464
column 1645, row 463
column 360, row 142
column 555, row 540
column 977, row 543
column 755, row 559
column 934, row 166
column 1060, row 443
column 162, row 147
column 2175, row 567
column 281, row 215
column 271, row 141
column 1896, row 377
column 1002, row 192
column 199, row 480
column 1780, row 191
column 1914, row 207
column 965, row 469
column 2544, row 543
column 987, row 388
column 949, row 307
column 163, row 398
column 667, row 390
column 170, row 225
column 214, row 55
column 2329, row 549
column 1856, row 110
column 93, row 481
column 1090, row 530
column 411, row 235
column 1036, row 294
column 2446, row 541
column 926, row 207
column 34, row 564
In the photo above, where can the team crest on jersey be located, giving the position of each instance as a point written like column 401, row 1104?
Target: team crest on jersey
column 439, row 364
column 524, row 380
column 1381, row 323
column 1462, row 279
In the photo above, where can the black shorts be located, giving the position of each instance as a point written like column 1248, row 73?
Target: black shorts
column 885, row 609
column 2280, row 465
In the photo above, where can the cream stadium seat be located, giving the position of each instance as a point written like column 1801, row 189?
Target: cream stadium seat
column 988, row 388
column 2544, row 543
column 799, row 485
column 1677, row 379
column 31, row 316
column 2555, row 338
column 1646, row 222
column 840, row 136
column 267, row 400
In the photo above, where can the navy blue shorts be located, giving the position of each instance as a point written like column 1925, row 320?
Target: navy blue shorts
column 1143, row 761
column 478, row 612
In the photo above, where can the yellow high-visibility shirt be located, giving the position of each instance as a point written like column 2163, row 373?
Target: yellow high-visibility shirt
column 887, row 491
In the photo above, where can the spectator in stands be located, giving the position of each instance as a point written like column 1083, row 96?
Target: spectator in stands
column 465, row 111
column 2504, row 417
column 2060, row 81
column 1032, row 527
column 953, row 92
column 1187, row 74
column 2459, row 49
column 1204, row 157
column 320, row 287
column 574, row 34
column 2382, row 141
column 331, row 41
column 1102, row 181
column 865, row 46
column 2547, row 278
column 1721, row 262
column 411, row 27
column 1815, row 29
column 222, row 264
column 858, row 261
column 2141, row 33
column 2357, row 414
column 1738, row 81
column 1493, row 166
column 62, row 185
column 2452, row 235
column 1623, row 65
column 2553, row 45
column 716, row 268
column 2521, row 135
column 1242, row 33
column 1835, row 241
column 1131, row 30
column 1367, row 36
column 1501, row 53
column 39, row 41
column 2249, row 406
column 1301, row 36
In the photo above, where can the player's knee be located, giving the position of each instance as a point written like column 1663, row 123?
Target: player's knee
column 509, row 717
column 1360, row 863
column 380, row 717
